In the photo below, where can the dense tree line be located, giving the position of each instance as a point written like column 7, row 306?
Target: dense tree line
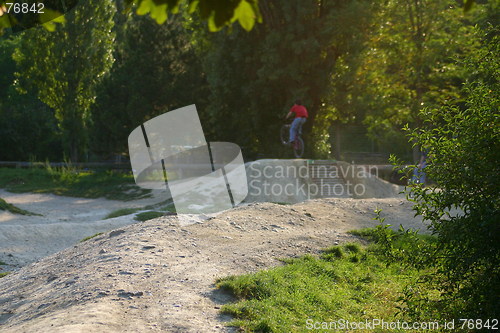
column 420, row 66
column 82, row 88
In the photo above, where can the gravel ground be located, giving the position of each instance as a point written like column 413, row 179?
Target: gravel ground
column 158, row 275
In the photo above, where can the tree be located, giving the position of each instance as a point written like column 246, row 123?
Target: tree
column 28, row 127
column 217, row 13
column 147, row 79
column 409, row 65
column 255, row 77
column 64, row 67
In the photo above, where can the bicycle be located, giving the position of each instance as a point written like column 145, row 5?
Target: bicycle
column 297, row 145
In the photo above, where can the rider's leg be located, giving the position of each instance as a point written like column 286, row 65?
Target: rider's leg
column 294, row 128
column 302, row 122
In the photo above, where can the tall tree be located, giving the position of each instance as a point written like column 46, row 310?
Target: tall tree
column 156, row 70
column 409, row 64
column 28, row 128
column 65, row 66
column 255, row 77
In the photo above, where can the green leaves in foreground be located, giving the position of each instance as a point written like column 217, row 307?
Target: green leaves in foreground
column 217, row 13
column 22, row 15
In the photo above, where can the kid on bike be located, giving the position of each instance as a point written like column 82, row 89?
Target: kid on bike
column 300, row 118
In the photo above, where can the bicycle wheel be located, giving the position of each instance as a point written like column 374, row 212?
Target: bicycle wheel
column 285, row 134
column 298, row 147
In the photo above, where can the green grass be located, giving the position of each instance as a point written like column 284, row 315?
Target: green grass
column 163, row 206
column 13, row 209
column 121, row 212
column 351, row 282
column 71, row 182
column 90, row 237
column 168, row 208
column 148, row 216
column 4, row 274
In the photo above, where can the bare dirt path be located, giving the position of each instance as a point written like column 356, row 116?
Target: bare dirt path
column 158, row 276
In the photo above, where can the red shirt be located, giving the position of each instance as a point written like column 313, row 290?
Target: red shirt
column 299, row 110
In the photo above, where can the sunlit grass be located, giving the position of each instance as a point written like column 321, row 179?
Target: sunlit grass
column 72, row 182
column 90, row 237
column 351, row 282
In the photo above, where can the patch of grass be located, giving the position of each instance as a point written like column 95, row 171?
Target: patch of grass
column 168, row 208
column 372, row 235
column 90, row 237
column 148, row 216
column 121, row 212
column 72, row 182
column 332, row 253
column 351, row 282
column 14, row 210
column 164, row 203
column 2, row 263
column 4, row 274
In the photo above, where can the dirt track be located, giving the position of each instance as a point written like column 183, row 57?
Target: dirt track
column 159, row 275
column 64, row 222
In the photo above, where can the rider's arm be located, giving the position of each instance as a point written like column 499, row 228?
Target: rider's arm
column 289, row 114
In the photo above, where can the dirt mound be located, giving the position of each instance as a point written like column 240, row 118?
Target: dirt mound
column 159, row 275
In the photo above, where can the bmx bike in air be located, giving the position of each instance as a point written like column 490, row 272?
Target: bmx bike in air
column 297, row 145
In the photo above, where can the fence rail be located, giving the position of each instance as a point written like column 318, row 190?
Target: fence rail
column 84, row 166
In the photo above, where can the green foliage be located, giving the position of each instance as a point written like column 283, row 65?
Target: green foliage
column 137, row 89
column 334, row 252
column 148, row 216
column 350, row 282
column 463, row 209
column 51, row 13
column 351, row 250
column 255, row 77
column 121, row 212
column 27, row 126
column 409, row 65
column 72, row 182
column 404, row 246
column 90, row 237
column 13, row 209
column 217, row 13
column 64, row 67
column 170, row 208
column 364, row 62
column 4, row 274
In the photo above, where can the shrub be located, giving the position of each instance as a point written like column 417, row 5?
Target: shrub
column 463, row 208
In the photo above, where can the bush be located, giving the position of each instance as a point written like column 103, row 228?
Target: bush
column 463, row 208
